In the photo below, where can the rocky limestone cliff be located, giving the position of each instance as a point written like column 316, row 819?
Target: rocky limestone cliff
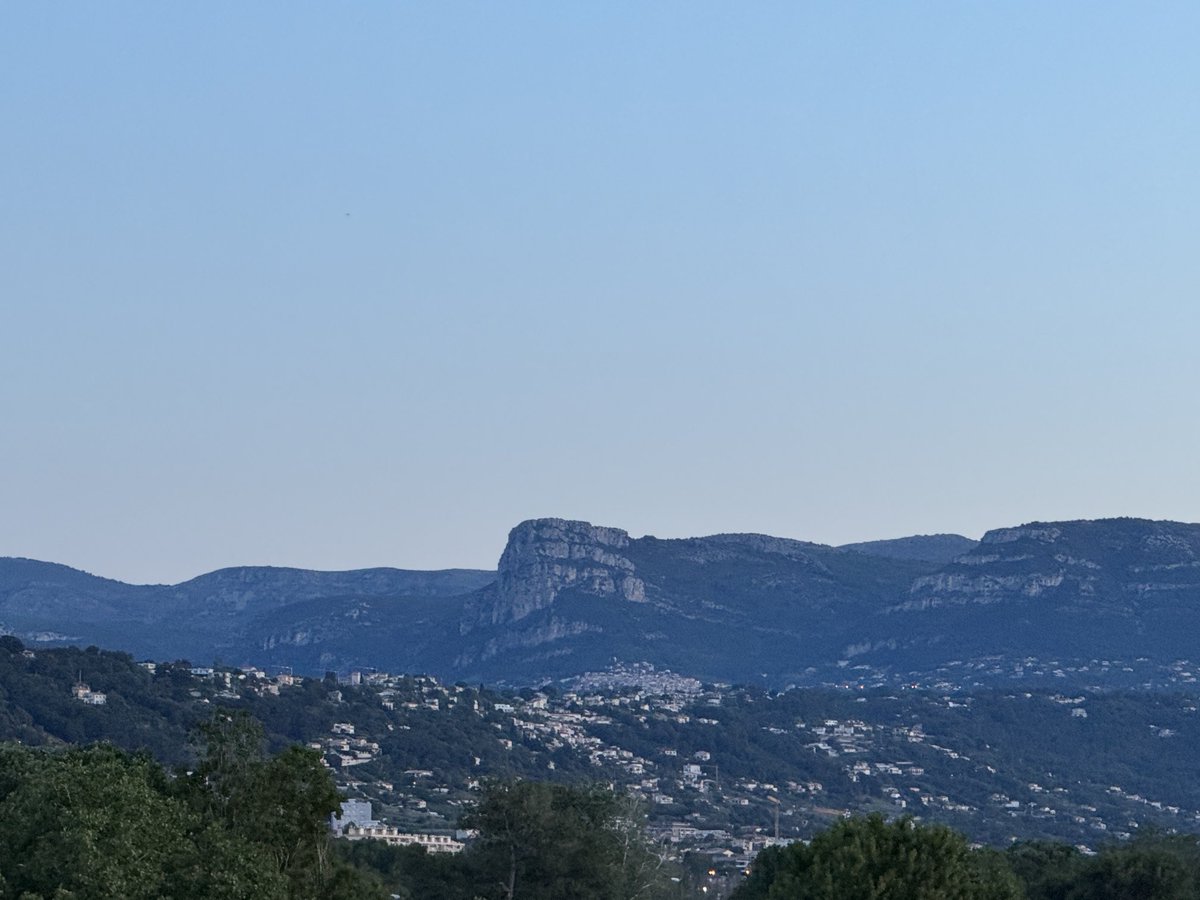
column 546, row 556
column 1113, row 562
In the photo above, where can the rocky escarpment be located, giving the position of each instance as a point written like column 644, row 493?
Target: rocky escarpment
column 221, row 613
column 569, row 597
column 544, row 557
column 1107, row 588
column 1109, row 564
column 572, row 595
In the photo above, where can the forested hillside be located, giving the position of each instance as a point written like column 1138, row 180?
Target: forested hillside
column 999, row 765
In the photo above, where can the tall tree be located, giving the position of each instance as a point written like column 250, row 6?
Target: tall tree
column 230, row 745
column 541, row 841
column 95, row 822
column 1156, row 867
column 872, row 859
column 280, row 805
column 1046, row 869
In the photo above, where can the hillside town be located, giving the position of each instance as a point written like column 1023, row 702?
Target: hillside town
column 722, row 771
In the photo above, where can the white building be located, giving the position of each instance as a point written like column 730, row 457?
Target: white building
column 433, row 843
column 85, row 694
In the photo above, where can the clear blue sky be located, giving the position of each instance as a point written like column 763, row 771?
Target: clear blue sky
column 337, row 285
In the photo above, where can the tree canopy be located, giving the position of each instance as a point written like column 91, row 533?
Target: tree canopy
column 97, row 822
column 541, row 841
column 869, row 858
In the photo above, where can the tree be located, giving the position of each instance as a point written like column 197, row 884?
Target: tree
column 293, row 798
column 541, row 841
column 1046, row 869
column 768, row 866
column 409, row 872
column 88, row 822
column 1155, row 867
column 95, row 822
column 280, row 806
column 871, row 859
column 230, row 746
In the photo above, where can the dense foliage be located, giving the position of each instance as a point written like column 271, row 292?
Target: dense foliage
column 143, row 711
column 871, row 859
column 544, row 841
column 84, row 823
column 536, row 841
column 95, row 822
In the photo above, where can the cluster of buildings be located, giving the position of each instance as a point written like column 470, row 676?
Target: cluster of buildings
column 1094, row 673
column 87, row 696
column 355, row 822
column 700, row 796
column 343, row 749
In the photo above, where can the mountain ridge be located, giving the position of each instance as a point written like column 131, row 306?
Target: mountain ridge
column 930, row 547
column 569, row 596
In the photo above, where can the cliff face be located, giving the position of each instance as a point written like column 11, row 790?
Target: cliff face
column 569, row 596
column 1113, row 565
column 1108, row 588
column 222, row 613
column 543, row 557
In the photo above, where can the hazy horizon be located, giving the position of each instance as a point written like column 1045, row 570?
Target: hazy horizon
column 347, row 287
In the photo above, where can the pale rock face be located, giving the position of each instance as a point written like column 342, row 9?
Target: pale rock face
column 555, row 630
column 1134, row 561
column 1168, row 544
column 972, row 559
column 633, row 589
column 1044, row 534
column 545, row 556
column 945, row 589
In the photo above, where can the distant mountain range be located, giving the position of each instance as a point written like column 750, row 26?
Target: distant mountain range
column 569, row 596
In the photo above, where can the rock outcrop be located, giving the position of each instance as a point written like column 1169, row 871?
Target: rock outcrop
column 569, row 597
column 1107, row 564
column 544, row 557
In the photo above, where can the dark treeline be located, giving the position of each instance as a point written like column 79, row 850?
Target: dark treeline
column 156, row 712
column 868, row 858
column 85, row 823
column 536, row 841
column 96, row 821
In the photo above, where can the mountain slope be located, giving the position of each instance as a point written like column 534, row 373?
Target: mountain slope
column 569, row 596
column 1119, row 587
column 218, row 614
column 938, row 548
